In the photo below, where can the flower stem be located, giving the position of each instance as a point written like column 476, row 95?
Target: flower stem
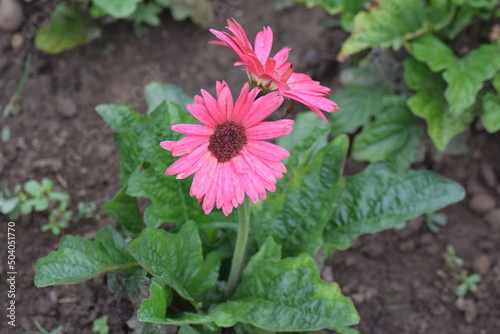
column 239, row 250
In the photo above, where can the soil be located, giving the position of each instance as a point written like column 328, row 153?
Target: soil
column 391, row 276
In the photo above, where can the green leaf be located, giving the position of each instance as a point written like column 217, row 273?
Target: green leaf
column 466, row 77
column 125, row 211
column 284, row 295
column 333, row 7
column 66, row 30
column 490, row 116
column 27, row 207
column 302, row 143
column 430, row 104
column 177, row 260
column 79, row 259
column 463, row 17
column 118, row 8
column 362, row 97
column 8, row 205
column 129, row 127
column 147, row 13
column 297, row 216
column 60, row 197
column 100, row 325
column 155, row 308
column 345, row 330
column 486, row 4
column 359, row 105
column 382, row 197
column 33, row 187
column 169, row 197
column 158, row 92
column 41, row 204
column 121, row 118
column 390, row 23
column 394, row 136
column 200, row 11
column 435, row 53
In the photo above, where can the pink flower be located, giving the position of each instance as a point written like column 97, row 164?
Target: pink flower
column 227, row 153
column 274, row 74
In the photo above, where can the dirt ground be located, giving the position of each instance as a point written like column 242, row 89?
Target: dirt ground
column 391, row 276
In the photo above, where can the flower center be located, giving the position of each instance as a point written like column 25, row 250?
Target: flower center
column 227, row 141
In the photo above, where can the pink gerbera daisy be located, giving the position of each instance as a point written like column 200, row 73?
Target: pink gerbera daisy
column 274, row 74
column 227, row 154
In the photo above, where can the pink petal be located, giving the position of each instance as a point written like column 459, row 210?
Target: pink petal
column 188, row 144
column 263, row 44
column 259, row 167
column 270, row 130
column 203, row 179
column 261, row 108
column 186, row 161
column 200, row 112
column 224, row 100
column 210, row 196
column 243, row 103
column 266, row 150
column 168, row 145
column 213, row 108
column 193, row 129
column 195, row 166
column 281, row 57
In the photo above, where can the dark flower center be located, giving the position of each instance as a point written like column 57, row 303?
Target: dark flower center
column 227, row 141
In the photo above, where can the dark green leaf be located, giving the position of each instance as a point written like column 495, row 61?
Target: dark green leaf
column 79, row 259
column 125, row 211
column 394, row 136
column 302, row 143
column 177, row 260
column 297, row 217
column 382, row 197
column 284, row 295
column 359, row 105
column 155, row 308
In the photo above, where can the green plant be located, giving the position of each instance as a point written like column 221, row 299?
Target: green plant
column 467, row 283
column 454, row 264
column 183, row 262
column 435, row 221
column 451, row 258
column 100, row 325
column 78, row 22
column 446, row 87
column 39, row 196
column 57, row 330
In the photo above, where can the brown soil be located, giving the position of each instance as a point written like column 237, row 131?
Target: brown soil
column 391, row 276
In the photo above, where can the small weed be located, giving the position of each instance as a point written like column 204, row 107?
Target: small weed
column 40, row 197
column 454, row 270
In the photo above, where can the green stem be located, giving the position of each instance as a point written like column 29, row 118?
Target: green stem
column 239, row 250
